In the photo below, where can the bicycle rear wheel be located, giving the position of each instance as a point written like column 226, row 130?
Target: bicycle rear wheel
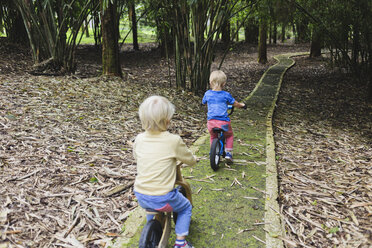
column 151, row 235
column 215, row 155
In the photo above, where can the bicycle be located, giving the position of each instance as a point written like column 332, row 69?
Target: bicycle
column 218, row 144
column 156, row 232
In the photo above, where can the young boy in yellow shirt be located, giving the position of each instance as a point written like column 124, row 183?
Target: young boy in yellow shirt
column 157, row 152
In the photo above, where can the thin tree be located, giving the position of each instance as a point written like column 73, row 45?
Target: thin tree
column 11, row 20
column 205, row 19
column 316, row 43
column 226, row 26
column 110, row 38
column 48, row 36
column 263, row 9
column 133, row 20
column 251, row 30
column 262, row 42
column 345, row 23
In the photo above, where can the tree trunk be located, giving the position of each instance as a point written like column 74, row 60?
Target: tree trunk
column 295, row 33
column 194, row 54
column 302, row 32
column 226, row 26
column 275, row 33
column 370, row 82
column 182, row 44
column 316, row 43
column 17, row 32
column 237, row 31
column 110, row 39
column 164, row 38
column 96, row 27
column 283, row 33
column 133, row 18
column 87, row 29
column 356, row 49
column 63, row 31
column 369, row 71
column 226, row 30
column 262, row 47
column 97, row 33
column 251, row 31
column 270, row 32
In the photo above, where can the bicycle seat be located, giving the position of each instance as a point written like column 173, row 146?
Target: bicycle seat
column 224, row 128
column 151, row 211
column 217, row 129
column 167, row 208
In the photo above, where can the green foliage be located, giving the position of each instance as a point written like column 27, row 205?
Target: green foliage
column 93, row 180
column 347, row 33
column 47, row 23
column 70, row 149
column 145, row 34
column 191, row 28
column 333, row 230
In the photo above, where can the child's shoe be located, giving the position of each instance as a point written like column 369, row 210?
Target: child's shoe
column 228, row 157
column 185, row 245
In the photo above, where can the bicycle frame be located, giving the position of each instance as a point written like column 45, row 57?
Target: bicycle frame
column 164, row 217
column 217, row 149
column 221, row 139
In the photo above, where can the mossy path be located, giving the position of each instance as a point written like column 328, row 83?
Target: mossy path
column 236, row 204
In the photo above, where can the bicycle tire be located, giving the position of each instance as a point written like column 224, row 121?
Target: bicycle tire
column 151, row 234
column 215, row 155
column 182, row 190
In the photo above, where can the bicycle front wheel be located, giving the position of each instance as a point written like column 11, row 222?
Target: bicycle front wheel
column 215, row 155
column 151, row 235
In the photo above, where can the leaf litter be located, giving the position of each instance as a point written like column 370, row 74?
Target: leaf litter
column 323, row 135
column 66, row 161
column 65, row 151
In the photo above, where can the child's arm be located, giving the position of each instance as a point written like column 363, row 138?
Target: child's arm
column 183, row 154
column 204, row 100
column 239, row 105
column 235, row 104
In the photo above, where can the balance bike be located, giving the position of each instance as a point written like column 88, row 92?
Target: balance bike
column 218, row 144
column 156, row 232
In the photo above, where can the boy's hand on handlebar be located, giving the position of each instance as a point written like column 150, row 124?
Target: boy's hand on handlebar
column 240, row 105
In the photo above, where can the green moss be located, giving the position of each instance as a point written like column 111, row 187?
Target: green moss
column 220, row 210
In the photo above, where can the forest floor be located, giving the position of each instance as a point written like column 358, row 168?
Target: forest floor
column 65, row 145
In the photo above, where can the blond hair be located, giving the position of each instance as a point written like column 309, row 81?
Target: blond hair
column 217, row 79
column 155, row 113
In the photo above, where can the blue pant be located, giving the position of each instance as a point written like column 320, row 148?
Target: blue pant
column 174, row 201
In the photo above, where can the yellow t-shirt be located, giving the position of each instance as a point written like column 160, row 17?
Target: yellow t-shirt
column 157, row 154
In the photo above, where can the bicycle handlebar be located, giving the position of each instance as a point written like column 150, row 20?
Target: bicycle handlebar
column 230, row 109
